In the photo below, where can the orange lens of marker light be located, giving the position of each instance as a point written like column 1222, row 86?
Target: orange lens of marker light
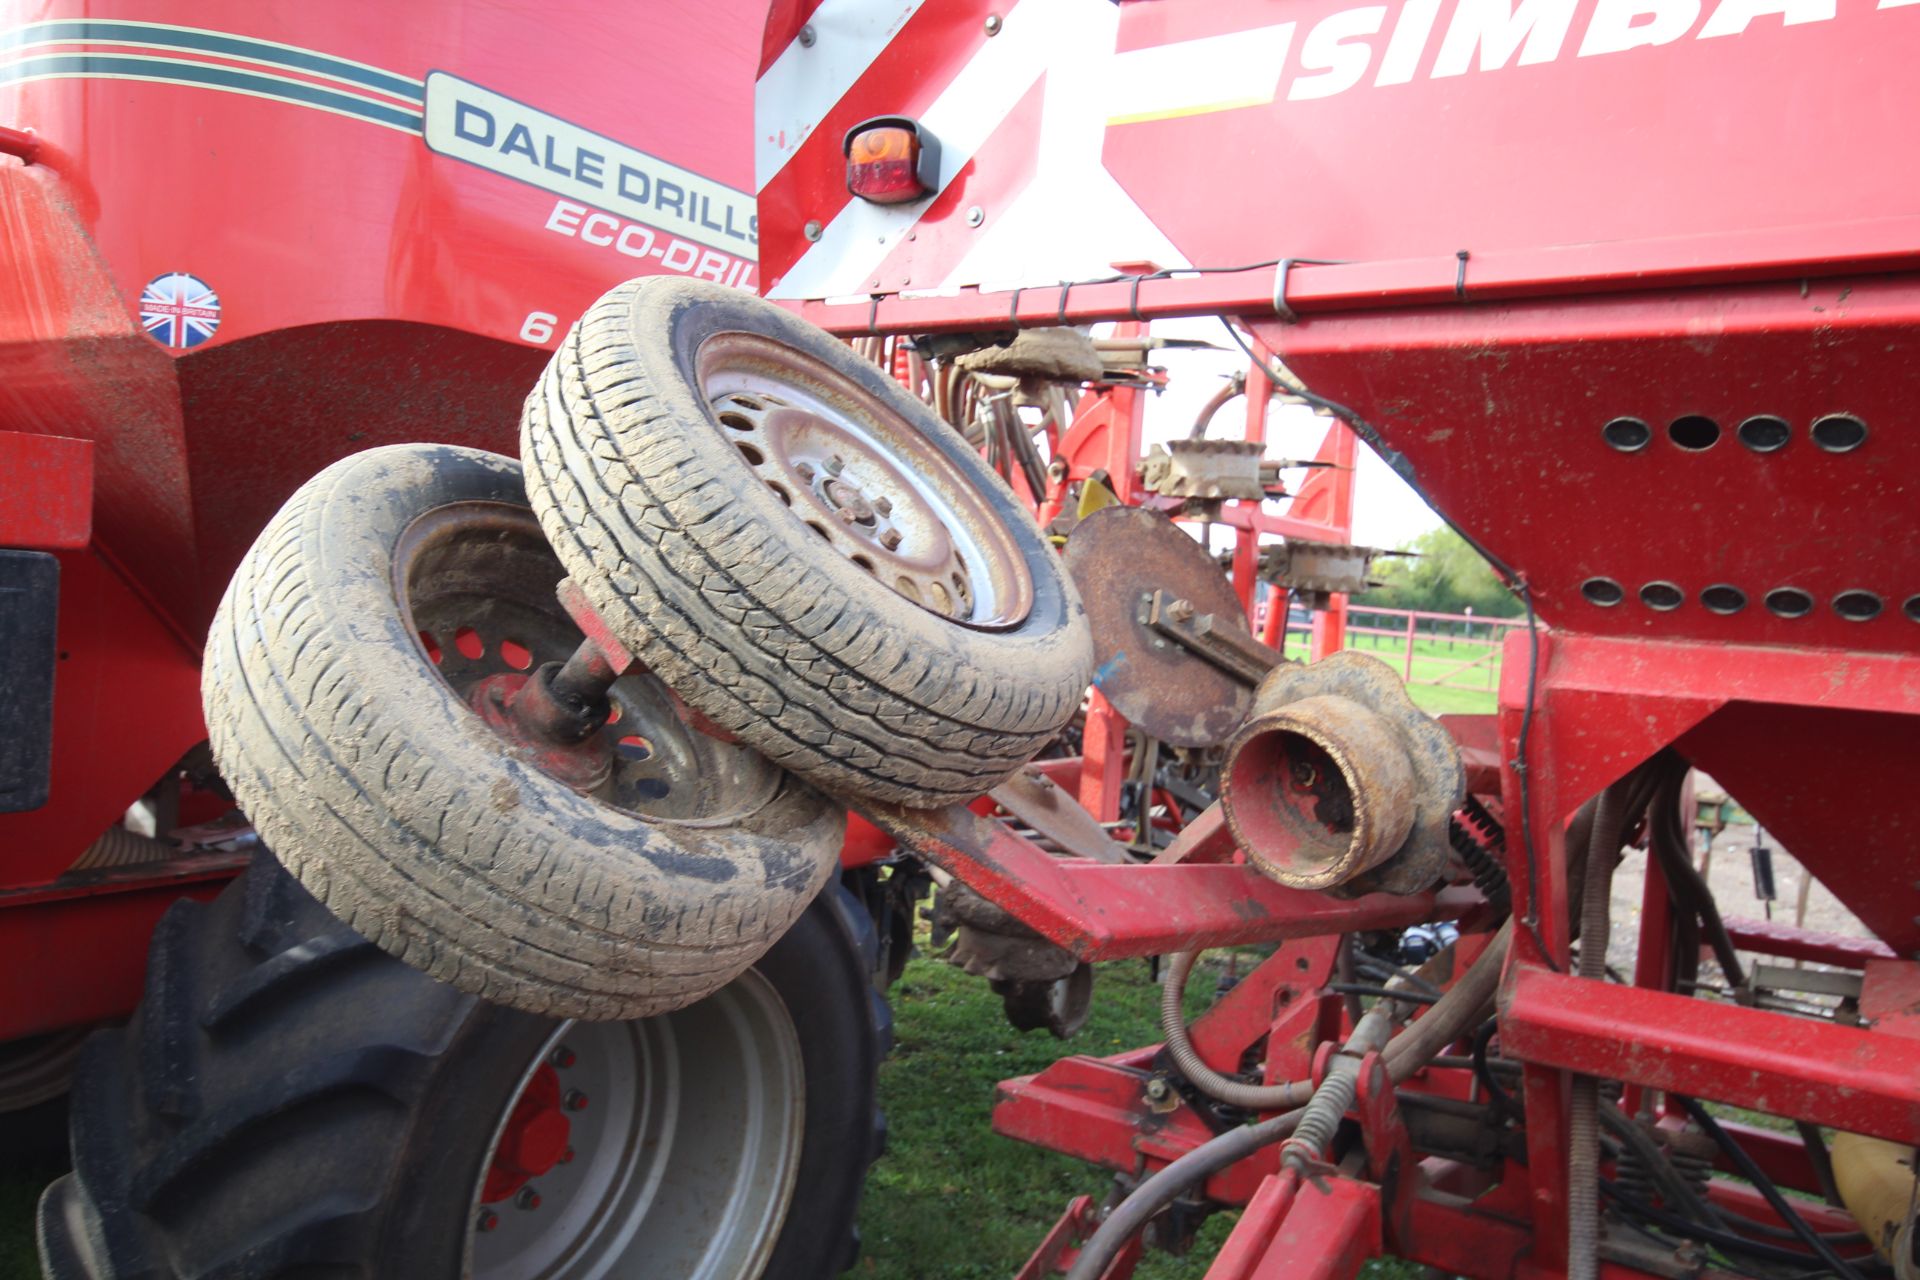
column 883, row 165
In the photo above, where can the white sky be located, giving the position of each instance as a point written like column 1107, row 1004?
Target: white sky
column 1385, row 512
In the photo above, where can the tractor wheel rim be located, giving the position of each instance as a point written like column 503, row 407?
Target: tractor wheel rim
column 683, row 1148
column 866, row 479
column 475, row 583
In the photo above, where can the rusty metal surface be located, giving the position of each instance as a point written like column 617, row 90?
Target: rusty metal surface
column 1119, row 557
column 1222, row 640
column 1338, row 780
column 1036, row 800
column 1318, row 567
column 1207, row 469
column 477, row 582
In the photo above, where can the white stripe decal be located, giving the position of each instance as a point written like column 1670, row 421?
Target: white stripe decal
column 861, row 235
column 804, row 83
column 1240, row 69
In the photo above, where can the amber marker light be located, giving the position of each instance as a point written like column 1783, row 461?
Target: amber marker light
column 890, row 161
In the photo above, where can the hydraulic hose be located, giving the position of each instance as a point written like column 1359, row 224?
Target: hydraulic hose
column 1464, row 1005
column 1173, row 1023
column 1166, row 1186
column 1583, row 1146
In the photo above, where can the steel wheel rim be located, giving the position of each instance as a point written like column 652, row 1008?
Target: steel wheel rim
column 475, row 583
column 684, row 1157
column 868, row 481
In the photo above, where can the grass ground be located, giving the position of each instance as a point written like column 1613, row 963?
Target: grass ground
column 1468, row 691
column 18, row 1194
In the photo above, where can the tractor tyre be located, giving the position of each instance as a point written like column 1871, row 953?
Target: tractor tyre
column 344, row 688
column 799, row 548
column 291, row 1101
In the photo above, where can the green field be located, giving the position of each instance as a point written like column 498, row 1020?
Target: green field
column 949, row 1199
column 1467, row 691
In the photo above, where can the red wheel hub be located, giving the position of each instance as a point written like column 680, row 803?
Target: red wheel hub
column 535, row 1138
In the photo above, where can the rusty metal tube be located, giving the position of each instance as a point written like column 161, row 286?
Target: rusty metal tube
column 1318, row 790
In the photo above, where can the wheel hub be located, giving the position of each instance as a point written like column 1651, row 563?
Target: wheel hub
column 477, row 584
column 866, row 480
column 534, row 1140
column 667, row 1146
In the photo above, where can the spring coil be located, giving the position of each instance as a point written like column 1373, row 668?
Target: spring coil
column 1482, row 844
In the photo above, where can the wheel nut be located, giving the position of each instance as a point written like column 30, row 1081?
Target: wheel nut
column 576, row 1100
column 834, row 465
column 805, row 471
column 528, row 1198
column 566, row 1157
column 882, row 507
column 562, row 1057
column 890, row 539
column 487, row 1221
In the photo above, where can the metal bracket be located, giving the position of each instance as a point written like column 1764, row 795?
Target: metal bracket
column 1220, row 642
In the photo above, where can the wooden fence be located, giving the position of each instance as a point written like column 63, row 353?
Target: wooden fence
column 1456, row 650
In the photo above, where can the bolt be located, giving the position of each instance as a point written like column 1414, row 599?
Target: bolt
column 813, row 230
column 834, row 464
column 807, row 36
column 890, row 539
column 1158, row 1089
column 805, row 471
column 576, row 1100
column 993, row 24
column 527, row 1199
column 976, row 215
column 562, row 1057
column 566, row 1157
column 882, row 507
column 845, row 514
column 487, row 1221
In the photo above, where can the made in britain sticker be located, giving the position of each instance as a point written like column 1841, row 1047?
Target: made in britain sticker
column 179, row 310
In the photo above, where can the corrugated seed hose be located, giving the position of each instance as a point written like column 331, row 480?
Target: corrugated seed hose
column 1466, row 1004
column 1583, row 1147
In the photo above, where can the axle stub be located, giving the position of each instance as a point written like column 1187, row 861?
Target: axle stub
column 1338, row 782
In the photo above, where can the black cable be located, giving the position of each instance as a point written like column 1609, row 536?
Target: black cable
column 1483, row 1070
column 1364, row 989
column 1398, row 464
column 1725, row 1240
column 1753, row 1173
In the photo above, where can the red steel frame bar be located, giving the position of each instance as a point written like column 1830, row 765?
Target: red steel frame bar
column 1102, row 911
column 1775, row 253
column 1859, row 1081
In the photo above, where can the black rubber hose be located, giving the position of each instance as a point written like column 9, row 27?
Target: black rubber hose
column 1753, row 1173
column 1465, row 1004
column 1701, row 1231
column 1166, row 1186
column 1483, row 1070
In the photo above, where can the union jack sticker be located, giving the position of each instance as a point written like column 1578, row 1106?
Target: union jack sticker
column 179, row 310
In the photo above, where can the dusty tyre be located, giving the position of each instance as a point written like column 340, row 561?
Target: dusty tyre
column 389, row 594
column 799, row 548
column 291, row 1101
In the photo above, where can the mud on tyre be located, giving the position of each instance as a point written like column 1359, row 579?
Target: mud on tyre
column 338, row 682
column 799, row 548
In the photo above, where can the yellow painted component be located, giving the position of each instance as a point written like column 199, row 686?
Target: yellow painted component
column 1095, row 496
column 1876, row 1182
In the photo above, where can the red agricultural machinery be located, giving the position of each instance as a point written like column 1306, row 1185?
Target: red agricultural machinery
column 565, row 922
